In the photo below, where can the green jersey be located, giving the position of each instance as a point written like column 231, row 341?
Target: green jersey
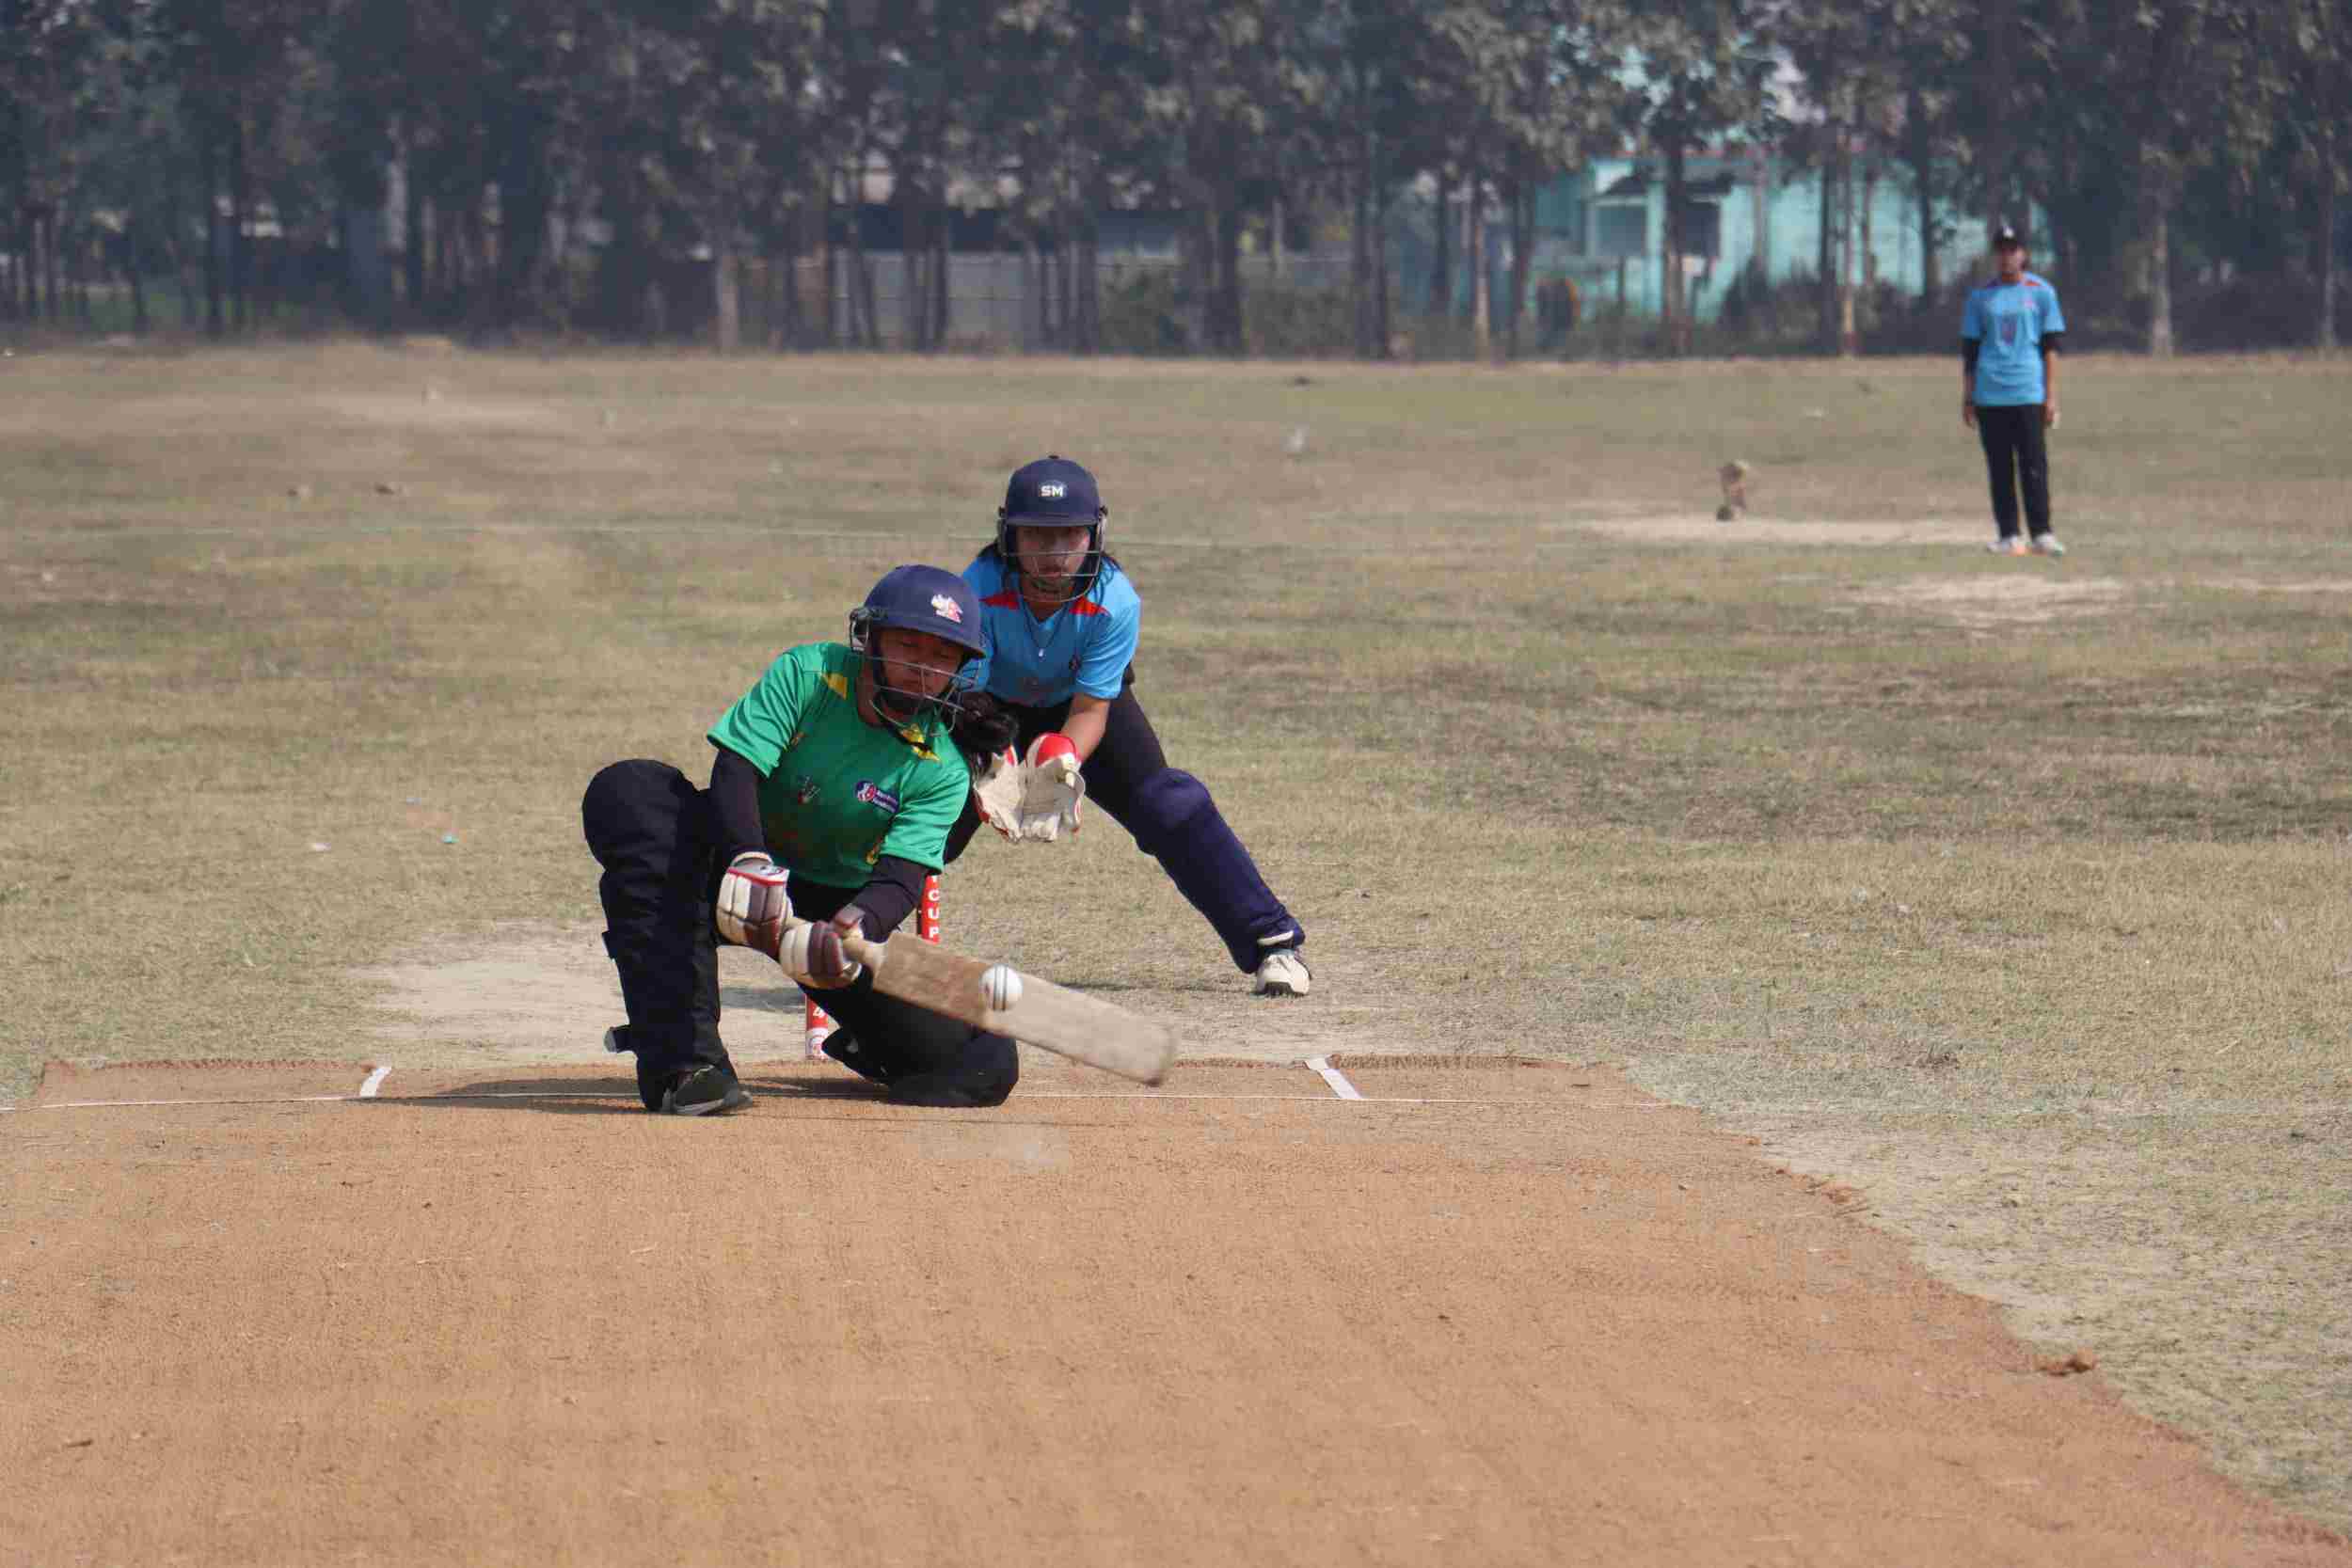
column 836, row 793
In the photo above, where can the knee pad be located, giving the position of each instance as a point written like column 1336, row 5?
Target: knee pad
column 1164, row 806
column 990, row 1067
column 630, row 804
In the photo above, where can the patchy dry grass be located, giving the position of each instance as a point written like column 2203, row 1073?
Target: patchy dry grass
column 2011, row 892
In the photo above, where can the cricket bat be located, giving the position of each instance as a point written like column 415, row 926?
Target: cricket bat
column 1035, row 1011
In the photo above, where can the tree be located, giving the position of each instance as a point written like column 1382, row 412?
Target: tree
column 2317, row 39
column 1705, row 70
column 2183, row 82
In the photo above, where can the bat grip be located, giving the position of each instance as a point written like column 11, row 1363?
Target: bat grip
column 870, row 954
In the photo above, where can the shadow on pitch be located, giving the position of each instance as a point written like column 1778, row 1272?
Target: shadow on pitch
column 616, row 1095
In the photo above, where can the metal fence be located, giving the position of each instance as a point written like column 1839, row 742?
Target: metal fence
column 999, row 303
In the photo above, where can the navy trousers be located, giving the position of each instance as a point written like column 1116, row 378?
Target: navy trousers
column 2016, row 457
column 651, row 830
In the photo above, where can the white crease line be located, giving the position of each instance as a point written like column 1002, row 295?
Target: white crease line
column 1333, row 1076
column 597, row 1094
column 376, row 1082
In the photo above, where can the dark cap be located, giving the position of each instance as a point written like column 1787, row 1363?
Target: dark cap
column 1051, row 491
column 2007, row 234
column 926, row 599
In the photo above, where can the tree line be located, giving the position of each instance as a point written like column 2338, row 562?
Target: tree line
column 241, row 153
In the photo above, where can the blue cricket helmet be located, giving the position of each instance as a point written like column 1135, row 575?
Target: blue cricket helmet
column 1053, row 492
column 928, row 600
column 921, row 599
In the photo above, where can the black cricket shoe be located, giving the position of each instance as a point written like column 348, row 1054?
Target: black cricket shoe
column 704, row 1089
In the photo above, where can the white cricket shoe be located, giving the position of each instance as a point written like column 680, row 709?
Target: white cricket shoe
column 1282, row 973
column 2007, row 545
column 2047, row 544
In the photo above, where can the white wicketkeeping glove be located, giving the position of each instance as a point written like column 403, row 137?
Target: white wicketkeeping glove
column 998, row 792
column 752, row 907
column 1052, row 789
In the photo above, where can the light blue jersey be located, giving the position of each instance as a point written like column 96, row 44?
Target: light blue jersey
column 1082, row 647
column 2008, row 322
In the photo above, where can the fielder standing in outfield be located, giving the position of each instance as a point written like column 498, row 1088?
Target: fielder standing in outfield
column 830, row 798
column 2009, row 343
column 1062, row 623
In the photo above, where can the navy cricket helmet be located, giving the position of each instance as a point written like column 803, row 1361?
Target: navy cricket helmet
column 1053, row 492
column 927, row 599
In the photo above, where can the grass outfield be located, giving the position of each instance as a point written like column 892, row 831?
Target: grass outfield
column 2011, row 894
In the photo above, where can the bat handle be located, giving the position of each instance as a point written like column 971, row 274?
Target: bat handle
column 870, row 954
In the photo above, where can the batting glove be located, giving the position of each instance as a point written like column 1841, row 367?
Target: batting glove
column 752, row 906
column 813, row 954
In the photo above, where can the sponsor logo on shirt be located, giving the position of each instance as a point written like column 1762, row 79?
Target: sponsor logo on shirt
column 804, row 790
column 874, row 794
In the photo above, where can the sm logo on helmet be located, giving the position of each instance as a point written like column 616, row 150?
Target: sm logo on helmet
column 1053, row 492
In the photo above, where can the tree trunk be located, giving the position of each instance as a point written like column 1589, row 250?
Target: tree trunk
column 726, row 301
column 2155, row 228
column 240, row 209
column 1441, row 265
column 1520, row 200
column 1869, row 268
column 171, row 228
column 60, row 293
column 36, row 266
column 791, row 325
column 2326, row 338
column 1858, row 265
column 943, row 294
column 914, row 294
column 1825, row 252
column 1996, row 94
column 1674, row 284
column 1921, row 154
column 1474, row 258
column 829, row 272
column 1359, row 251
column 412, row 236
column 1226, row 328
column 865, row 331
column 141, row 322
column 209, row 198
column 1384, row 325
column 1095, row 196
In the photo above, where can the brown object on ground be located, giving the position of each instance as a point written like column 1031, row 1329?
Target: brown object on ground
column 1735, row 477
column 1485, row 1314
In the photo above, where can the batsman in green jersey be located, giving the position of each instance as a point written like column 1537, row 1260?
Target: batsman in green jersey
column 836, row 778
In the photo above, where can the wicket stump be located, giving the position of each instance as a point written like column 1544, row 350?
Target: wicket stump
column 816, row 1024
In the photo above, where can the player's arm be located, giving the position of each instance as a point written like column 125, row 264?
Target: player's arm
column 752, row 901
column 1103, row 667
column 1971, row 343
column 813, row 954
column 1089, row 715
column 2053, row 333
